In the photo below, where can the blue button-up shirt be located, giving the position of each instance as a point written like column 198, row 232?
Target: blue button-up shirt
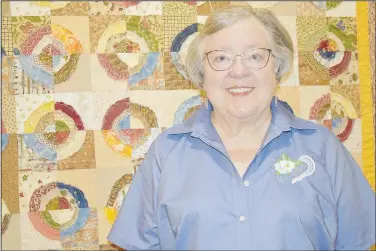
column 303, row 190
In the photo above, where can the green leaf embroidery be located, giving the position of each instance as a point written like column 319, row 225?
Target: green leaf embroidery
column 284, row 156
column 298, row 163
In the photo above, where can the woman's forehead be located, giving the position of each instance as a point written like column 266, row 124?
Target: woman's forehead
column 242, row 35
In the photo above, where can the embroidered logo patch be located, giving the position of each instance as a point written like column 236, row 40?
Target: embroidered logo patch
column 286, row 168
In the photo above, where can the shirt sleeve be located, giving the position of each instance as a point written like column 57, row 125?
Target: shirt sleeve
column 355, row 198
column 135, row 227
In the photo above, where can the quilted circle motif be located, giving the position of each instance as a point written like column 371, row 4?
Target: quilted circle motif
column 330, row 53
column 57, row 51
column 59, row 123
column 118, row 43
column 116, row 124
column 55, row 196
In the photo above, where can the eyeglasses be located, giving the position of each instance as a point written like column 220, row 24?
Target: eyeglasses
column 220, row 60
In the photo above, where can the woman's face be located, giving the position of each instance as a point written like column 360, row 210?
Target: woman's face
column 239, row 91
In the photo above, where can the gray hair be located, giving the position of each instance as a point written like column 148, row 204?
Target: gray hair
column 282, row 45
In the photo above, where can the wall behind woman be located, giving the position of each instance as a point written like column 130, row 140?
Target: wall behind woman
column 87, row 86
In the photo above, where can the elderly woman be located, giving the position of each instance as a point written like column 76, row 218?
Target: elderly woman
column 244, row 172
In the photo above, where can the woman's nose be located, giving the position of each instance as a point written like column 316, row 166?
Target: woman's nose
column 238, row 68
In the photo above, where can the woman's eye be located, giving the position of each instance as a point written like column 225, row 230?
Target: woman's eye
column 222, row 58
column 256, row 56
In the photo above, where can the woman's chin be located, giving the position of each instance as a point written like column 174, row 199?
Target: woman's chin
column 241, row 113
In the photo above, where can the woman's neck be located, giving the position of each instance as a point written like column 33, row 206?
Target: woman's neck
column 254, row 126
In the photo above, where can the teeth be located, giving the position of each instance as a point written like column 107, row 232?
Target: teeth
column 240, row 90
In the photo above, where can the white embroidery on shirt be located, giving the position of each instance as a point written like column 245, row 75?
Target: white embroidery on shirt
column 286, row 168
column 311, row 168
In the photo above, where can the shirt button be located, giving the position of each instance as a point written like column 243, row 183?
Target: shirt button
column 242, row 218
column 246, row 183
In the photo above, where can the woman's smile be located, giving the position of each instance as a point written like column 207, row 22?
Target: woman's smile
column 240, row 91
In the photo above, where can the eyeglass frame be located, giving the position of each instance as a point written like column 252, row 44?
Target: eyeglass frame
column 269, row 50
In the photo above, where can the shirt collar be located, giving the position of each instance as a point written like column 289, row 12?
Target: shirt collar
column 282, row 117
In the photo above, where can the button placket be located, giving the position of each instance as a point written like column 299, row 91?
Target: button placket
column 243, row 223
